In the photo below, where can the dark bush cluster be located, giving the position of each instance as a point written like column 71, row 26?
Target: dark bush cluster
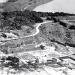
column 12, row 0
column 56, row 14
column 12, row 62
column 16, row 19
column 72, row 27
column 62, row 23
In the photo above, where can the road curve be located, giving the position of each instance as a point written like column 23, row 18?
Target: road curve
column 15, row 38
column 37, row 29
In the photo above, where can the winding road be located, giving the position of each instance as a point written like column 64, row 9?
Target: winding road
column 13, row 37
column 37, row 28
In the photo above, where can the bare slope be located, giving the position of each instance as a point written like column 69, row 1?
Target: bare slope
column 23, row 4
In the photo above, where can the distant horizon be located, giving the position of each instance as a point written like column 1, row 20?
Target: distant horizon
column 66, row 6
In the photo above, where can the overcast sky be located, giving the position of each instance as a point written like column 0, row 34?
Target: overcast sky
column 58, row 5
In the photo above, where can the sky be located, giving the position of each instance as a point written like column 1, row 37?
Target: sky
column 67, row 6
column 3, row 1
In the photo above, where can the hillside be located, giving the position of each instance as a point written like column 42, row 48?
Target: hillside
column 18, row 5
column 32, row 40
